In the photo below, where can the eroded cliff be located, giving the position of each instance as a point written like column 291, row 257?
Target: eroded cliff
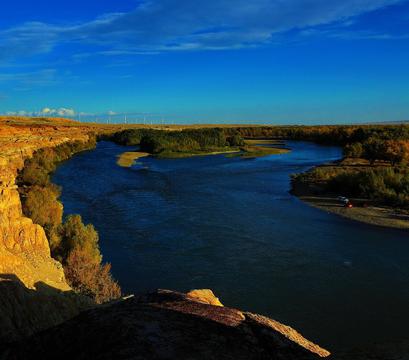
column 34, row 293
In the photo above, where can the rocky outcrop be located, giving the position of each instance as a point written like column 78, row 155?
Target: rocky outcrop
column 205, row 296
column 167, row 325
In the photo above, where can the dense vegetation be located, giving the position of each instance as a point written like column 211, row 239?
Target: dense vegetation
column 71, row 242
column 383, row 179
column 174, row 143
column 371, row 142
column 383, row 185
column 131, row 137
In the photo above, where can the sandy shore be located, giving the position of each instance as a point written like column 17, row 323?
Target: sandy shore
column 127, row 159
column 373, row 215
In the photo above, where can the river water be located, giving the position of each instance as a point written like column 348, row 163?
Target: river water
column 230, row 224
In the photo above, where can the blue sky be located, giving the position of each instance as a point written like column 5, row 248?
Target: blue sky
column 258, row 61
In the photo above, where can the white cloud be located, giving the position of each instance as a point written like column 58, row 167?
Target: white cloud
column 63, row 112
column 60, row 112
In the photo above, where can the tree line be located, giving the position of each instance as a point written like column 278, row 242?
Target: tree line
column 72, row 242
column 372, row 142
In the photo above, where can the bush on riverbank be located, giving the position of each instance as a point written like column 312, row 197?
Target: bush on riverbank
column 383, row 185
column 388, row 186
column 71, row 241
column 42, row 206
column 76, row 235
column 90, row 277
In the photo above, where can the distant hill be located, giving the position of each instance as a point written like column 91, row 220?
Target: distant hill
column 21, row 120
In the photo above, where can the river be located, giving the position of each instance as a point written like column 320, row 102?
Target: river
column 230, row 224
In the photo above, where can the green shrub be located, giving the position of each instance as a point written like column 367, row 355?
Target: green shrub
column 354, row 150
column 33, row 174
column 42, row 205
column 77, row 236
column 389, row 186
column 90, row 278
column 235, row 140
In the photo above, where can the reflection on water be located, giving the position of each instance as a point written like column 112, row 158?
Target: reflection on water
column 229, row 224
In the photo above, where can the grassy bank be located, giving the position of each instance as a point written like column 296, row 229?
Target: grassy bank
column 253, row 151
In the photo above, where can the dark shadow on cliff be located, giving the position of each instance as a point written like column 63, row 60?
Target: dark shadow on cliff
column 164, row 325
column 25, row 311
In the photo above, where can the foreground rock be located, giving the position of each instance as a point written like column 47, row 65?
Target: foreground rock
column 167, row 325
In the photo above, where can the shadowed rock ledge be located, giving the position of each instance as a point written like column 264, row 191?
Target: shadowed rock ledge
column 167, row 325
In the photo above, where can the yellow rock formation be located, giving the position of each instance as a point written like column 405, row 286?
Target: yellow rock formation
column 205, row 296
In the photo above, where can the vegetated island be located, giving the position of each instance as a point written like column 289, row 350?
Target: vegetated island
column 192, row 142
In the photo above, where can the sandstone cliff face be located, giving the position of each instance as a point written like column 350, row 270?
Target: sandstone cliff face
column 168, row 325
column 24, row 249
column 25, row 261
column 34, row 293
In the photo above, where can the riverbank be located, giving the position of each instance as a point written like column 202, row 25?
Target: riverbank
column 364, row 210
column 373, row 215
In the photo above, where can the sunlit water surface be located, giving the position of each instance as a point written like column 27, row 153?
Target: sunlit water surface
column 230, row 225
